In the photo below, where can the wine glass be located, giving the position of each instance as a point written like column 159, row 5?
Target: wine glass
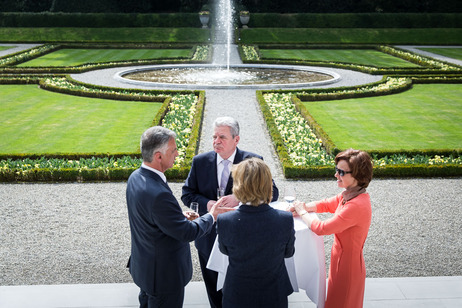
column 194, row 206
column 289, row 195
column 220, row 193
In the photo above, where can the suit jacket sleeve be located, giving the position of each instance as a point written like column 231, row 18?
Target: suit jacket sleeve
column 170, row 219
column 201, row 183
column 290, row 246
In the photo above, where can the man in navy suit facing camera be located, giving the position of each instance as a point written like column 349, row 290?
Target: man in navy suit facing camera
column 210, row 172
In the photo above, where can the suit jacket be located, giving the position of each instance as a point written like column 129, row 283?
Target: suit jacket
column 201, row 186
column 160, row 260
column 256, row 239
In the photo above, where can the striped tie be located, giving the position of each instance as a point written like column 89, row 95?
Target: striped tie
column 224, row 175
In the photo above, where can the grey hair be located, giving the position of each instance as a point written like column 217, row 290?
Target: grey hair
column 155, row 139
column 229, row 122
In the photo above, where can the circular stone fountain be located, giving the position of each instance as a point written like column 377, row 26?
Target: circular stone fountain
column 208, row 76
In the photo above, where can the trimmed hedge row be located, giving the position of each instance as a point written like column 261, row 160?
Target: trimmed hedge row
column 356, row 20
column 7, row 62
column 391, row 171
column 428, row 65
column 257, row 20
column 98, row 20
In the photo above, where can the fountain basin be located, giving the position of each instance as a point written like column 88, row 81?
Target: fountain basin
column 242, row 76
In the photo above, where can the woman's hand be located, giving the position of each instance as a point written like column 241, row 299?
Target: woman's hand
column 300, row 208
column 291, row 209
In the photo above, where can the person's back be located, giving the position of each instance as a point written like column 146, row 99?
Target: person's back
column 256, row 239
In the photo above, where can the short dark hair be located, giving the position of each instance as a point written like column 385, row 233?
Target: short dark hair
column 155, row 139
column 360, row 164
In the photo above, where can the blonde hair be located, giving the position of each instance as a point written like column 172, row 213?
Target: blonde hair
column 252, row 182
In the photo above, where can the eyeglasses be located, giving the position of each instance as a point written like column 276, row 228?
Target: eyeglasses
column 341, row 172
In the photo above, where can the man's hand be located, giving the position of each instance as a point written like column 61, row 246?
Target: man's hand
column 228, row 201
column 190, row 215
column 218, row 208
column 210, row 204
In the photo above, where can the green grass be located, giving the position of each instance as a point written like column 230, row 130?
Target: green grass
column 5, row 47
column 121, row 35
column 425, row 117
column 356, row 56
column 455, row 53
column 73, row 57
column 437, row 36
column 38, row 121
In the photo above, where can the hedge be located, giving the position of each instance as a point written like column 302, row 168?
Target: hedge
column 100, row 20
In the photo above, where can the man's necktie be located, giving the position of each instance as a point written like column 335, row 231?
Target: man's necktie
column 224, row 174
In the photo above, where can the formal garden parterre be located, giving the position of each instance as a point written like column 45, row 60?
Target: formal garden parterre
column 304, row 146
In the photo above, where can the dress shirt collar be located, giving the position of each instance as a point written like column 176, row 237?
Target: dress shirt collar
column 161, row 174
column 231, row 158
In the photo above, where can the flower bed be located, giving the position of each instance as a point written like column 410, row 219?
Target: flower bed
column 251, row 54
column 306, row 151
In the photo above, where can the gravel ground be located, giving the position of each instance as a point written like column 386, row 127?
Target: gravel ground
column 79, row 233
column 72, row 233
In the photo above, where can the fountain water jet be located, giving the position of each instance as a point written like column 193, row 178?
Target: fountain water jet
column 223, row 34
column 226, row 70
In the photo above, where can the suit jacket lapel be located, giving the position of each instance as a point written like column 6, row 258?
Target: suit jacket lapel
column 213, row 163
column 237, row 159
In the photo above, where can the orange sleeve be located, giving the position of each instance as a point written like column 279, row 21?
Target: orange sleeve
column 328, row 205
column 345, row 218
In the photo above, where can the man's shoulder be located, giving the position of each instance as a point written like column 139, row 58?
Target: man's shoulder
column 247, row 154
column 204, row 156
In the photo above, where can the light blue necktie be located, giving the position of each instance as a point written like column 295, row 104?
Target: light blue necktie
column 224, row 174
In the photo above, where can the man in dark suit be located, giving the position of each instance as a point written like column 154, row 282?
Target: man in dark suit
column 160, row 261
column 209, row 172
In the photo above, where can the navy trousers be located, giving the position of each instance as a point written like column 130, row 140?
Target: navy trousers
column 210, row 280
column 164, row 300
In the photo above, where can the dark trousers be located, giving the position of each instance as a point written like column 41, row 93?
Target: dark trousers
column 163, row 300
column 210, row 279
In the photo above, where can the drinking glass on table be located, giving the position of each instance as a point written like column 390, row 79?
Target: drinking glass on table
column 289, row 195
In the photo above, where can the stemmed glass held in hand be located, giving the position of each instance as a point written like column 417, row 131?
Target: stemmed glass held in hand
column 194, row 206
column 220, row 193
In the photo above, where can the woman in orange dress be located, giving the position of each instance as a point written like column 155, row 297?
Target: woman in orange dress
column 349, row 224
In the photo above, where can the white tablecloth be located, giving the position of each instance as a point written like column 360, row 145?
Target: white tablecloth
column 306, row 269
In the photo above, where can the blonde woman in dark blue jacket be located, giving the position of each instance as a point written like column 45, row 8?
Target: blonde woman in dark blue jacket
column 256, row 239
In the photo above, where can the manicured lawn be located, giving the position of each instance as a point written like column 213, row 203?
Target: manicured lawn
column 73, row 57
column 425, row 117
column 356, row 56
column 455, row 53
column 38, row 121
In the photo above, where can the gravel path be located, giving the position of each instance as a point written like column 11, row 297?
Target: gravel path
column 16, row 48
column 72, row 233
column 78, row 233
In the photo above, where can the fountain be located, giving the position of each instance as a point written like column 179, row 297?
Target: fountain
column 226, row 70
